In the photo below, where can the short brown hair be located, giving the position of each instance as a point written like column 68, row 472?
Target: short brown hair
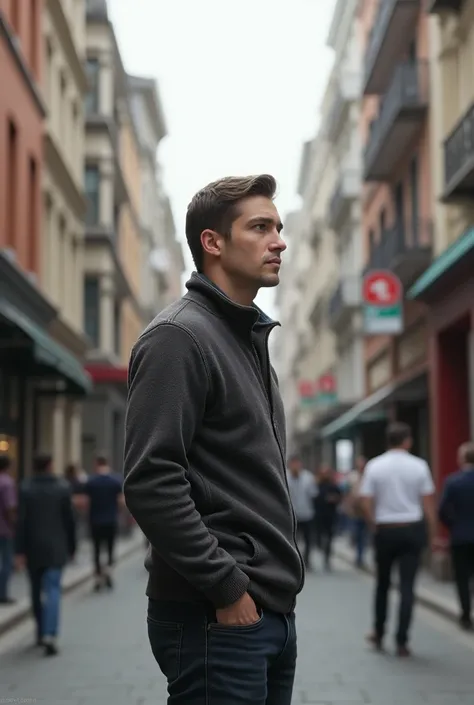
column 397, row 434
column 467, row 453
column 214, row 207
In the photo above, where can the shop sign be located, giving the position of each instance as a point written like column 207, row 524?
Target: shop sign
column 382, row 297
column 319, row 392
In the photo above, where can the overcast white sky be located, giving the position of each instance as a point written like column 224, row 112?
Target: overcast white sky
column 240, row 84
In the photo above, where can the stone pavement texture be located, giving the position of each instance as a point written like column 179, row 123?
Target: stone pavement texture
column 106, row 660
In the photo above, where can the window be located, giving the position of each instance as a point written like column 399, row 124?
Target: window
column 33, row 35
column 117, row 329
column 32, row 214
column 414, row 199
column 92, row 96
column 11, row 183
column 92, row 309
column 92, row 188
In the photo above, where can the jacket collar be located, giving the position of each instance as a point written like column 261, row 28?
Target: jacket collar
column 202, row 290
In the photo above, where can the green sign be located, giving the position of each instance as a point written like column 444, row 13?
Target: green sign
column 383, row 320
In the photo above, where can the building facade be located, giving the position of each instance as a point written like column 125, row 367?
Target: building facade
column 128, row 219
column 396, row 211
column 32, row 362
column 161, row 256
column 64, row 206
column 344, row 212
column 110, row 231
column 446, row 288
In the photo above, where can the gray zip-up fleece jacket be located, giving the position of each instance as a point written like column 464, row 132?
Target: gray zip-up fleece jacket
column 205, row 471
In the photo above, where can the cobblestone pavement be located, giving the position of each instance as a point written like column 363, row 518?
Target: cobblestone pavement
column 106, row 660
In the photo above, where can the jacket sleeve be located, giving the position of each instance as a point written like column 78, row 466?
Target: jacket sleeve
column 69, row 521
column 169, row 383
column 20, row 529
column 445, row 510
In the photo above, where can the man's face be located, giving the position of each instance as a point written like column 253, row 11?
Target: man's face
column 295, row 467
column 252, row 253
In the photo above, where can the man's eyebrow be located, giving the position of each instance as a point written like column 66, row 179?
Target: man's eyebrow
column 266, row 219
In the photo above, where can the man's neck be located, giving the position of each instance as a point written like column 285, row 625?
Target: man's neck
column 236, row 291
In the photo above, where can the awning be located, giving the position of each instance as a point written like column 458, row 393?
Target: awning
column 459, row 255
column 47, row 351
column 371, row 408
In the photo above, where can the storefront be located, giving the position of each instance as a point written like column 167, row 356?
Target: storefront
column 32, row 366
column 447, row 288
column 103, row 424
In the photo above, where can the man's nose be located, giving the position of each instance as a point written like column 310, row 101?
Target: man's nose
column 279, row 245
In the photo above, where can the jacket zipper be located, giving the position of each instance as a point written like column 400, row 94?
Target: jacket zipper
column 267, row 388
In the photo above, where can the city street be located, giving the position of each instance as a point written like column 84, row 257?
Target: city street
column 105, row 656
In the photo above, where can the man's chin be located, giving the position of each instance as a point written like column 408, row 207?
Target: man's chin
column 269, row 280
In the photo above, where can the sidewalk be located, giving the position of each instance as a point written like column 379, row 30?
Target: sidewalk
column 434, row 594
column 75, row 574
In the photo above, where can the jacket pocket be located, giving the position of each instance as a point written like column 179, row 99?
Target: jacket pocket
column 165, row 641
column 254, row 553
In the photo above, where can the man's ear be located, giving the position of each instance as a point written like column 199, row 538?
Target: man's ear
column 211, row 242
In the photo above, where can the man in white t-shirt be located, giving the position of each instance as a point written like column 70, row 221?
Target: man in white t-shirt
column 397, row 493
column 303, row 489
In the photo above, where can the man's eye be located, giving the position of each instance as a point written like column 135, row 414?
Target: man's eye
column 261, row 226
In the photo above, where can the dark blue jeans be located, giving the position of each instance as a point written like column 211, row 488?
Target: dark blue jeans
column 6, row 564
column 46, row 600
column 207, row 663
column 360, row 536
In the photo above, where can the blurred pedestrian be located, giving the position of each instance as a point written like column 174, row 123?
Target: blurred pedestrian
column 302, row 491
column 327, row 501
column 205, row 464
column 104, row 495
column 8, row 507
column 456, row 511
column 398, row 492
column 46, row 540
column 355, row 510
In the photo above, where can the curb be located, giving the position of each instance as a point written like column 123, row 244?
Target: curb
column 423, row 596
column 81, row 577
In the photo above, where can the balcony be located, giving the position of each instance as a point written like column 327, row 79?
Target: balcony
column 405, row 249
column 348, row 90
column 402, row 113
column 389, row 39
column 345, row 299
column 435, row 6
column 459, row 159
column 347, row 189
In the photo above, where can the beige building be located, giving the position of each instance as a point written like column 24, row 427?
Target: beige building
column 111, row 279
column 59, row 408
column 128, row 221
column 310, row 355
column 446, row 288
column 161, row 260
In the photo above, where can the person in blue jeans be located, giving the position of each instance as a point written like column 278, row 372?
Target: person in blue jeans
column 46, row 540
column 205, row 464
column 8, row 505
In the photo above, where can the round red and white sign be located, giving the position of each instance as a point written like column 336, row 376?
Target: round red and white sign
column 381, row 288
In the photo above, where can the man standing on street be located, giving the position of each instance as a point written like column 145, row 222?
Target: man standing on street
column 205, row 464
column 8, row 505
column 397, row 492
column 456, row 511
column 46, row 540
column 327, row 502
column 302, row 492
column 104, row 494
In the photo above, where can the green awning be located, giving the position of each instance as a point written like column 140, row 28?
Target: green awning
column 443, row 264
column 46, row 350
